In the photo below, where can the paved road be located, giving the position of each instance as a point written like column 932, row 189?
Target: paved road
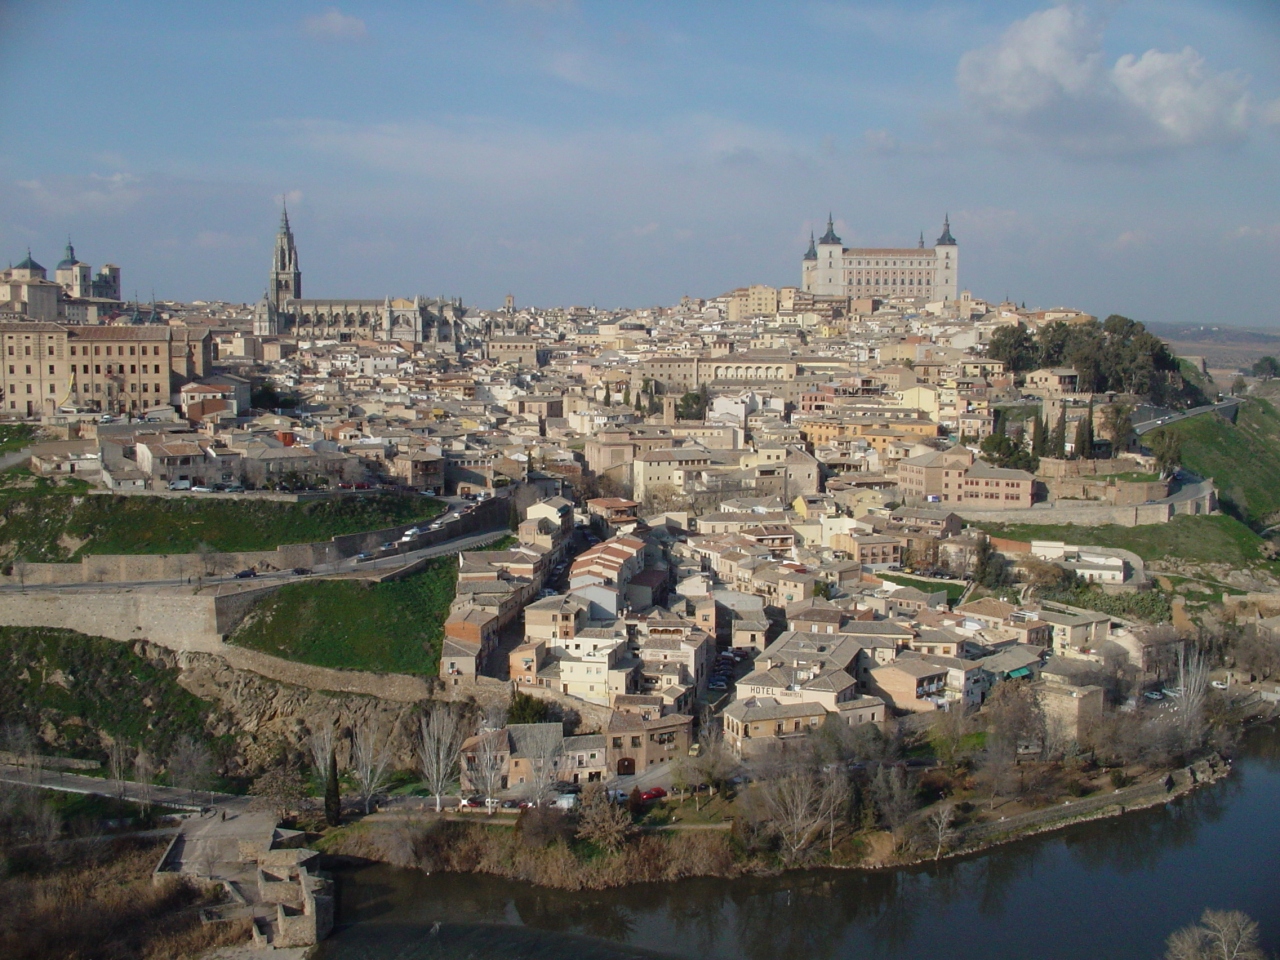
column 78, row 783
column 342, row 568
column 1148, row 425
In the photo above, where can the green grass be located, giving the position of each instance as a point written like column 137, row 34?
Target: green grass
column 1218, row 539
column 954, row 588
column 393, row 627
column 15, row 436
column 71, row 687
column 49, row 521
column 1243, row 458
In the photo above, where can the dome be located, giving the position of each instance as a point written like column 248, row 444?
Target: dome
column 29, row 264
column 68, row 259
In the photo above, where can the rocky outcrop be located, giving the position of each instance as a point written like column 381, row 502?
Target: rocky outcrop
column 265, row 717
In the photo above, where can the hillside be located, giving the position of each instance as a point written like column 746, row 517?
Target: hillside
column 1243, row 458
column 395, row 627
column 72, row 688
column 1206, row 539
column 46, row 521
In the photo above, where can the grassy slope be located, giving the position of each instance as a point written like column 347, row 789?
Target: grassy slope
column 15, row 436
column 1243, row 458
column 36, row 513
column 954, row 588
column 395, row 627
column 1208, row 539
column 71, row 686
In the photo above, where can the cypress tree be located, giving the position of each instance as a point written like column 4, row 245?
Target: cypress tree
column 626, row 395
column 1038, row 430
column 1084, row 436
column 1058, row 439
column 332, row 798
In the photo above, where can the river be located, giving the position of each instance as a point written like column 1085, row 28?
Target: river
column 1110, row 888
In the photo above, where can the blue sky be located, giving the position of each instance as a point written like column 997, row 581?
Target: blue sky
column 1120, row 157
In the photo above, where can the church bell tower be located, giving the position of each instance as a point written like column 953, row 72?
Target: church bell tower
column 286, row 277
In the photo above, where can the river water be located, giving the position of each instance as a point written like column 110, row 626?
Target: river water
column 1111, row 888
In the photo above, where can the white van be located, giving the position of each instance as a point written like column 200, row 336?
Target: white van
column 179, row 484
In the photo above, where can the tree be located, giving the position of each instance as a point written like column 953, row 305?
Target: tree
column 190, row 765
column 626, row 395
column 1220, row 935
column 601, row 821
column 1057, row 444
column 1039, row 438
column 608, row 397
column 1166, row 447
column 1239, row 387
column 1117, row 425
column 941, row 824
column 893, row 794
column 715, row 762
column 370, row 762
column 487, row 762
column 526, row 708
column 332, row 793
column 1016, row 723
column 793, row 802
column 144, row 775
column 1266, row 368
column 118, row 764
column 988, row 566
column 1193, row 685
column 438, row 745
column 1015, row 346
column 1084, row 435
column 280, row 790
column 542, row 746
column 947, row 733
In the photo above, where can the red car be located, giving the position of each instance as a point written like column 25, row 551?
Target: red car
column 653, row 793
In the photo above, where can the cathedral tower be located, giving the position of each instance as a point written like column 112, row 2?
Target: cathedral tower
column 286, row 277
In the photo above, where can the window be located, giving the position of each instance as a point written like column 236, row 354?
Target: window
column 51, row 369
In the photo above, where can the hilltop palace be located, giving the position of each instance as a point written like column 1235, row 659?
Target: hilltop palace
column 833, row 270
column 283, row 310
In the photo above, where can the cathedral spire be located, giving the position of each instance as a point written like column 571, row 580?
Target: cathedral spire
column 830, row 235
column 946, row 240
column 812, row 252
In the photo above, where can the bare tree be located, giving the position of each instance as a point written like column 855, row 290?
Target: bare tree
column 793, row 802
column 280, row 790
column 370, row 762
column 602, row 822
column 118, row 764
column 715, row 762
column 941, row 824
column 1017, row 726
column 487, row 762
column 1220, row 935
column 834, row 802
column 144, row 775
column 1193, row 683
column 190, row 765
column 894, row 795
column 438, row 746
column 321, row 745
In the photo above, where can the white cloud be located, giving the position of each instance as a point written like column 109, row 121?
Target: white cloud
column 333, row 24
column 75, row 196
column 1047, row 81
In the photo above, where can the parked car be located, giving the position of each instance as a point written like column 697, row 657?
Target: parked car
column 389, row 545
column 363, row 557
column 235, row 488
column 1154, row 695
column 472, row 802
column 565, row 801
column 247, row 574
column 654, row 793
column 301, row 571
column 1218, row 684
column 202, row 489
column 410, row 533
column 512, row 804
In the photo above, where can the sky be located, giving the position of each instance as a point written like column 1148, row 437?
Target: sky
column 1118, row 157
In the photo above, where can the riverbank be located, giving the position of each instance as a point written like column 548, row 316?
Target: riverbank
column 547, row 854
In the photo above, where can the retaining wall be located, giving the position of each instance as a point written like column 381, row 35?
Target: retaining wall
column 133, row 568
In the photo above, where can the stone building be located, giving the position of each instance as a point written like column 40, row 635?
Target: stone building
column 831, row 269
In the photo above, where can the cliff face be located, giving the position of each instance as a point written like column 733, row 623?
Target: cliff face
column 265, row 717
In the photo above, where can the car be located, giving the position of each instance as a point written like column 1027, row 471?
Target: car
column 179, row 484
column 410, row 533
column 654, row 793
column 235, row 488
column 202, row 489
column 1174, row 692
column 1154, row 695
column 717, row 684
column 389, row 545
column 344, row 486
column 362, row 486
column 472, row 802
column 513, row 804
column 301, row 571
column 247, row 574
column 363, row 557
column 1218, row 684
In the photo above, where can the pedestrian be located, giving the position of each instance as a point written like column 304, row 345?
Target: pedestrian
column 224, row 816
